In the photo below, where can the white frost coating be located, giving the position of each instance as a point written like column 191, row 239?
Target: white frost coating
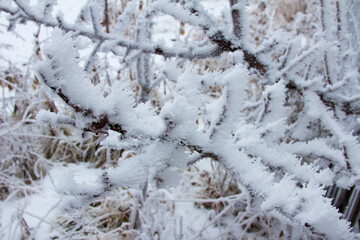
column 284, row 194
column 114, row 141
column 253, row 172
column 275, row 110
column 321, row 215
column 62, row 71
column 147, row 121
column 317, row 147
column 69, row 186
column 244, row 21
column 129, row 173
column 317, row 211
column 176, row 165
column 184, row 123
column 45, row 118
column 278, row 196
column 318, row 47
column 296, row 135
column 179, row 12
column 347, row 140
column 157, row 160
column 251, row 140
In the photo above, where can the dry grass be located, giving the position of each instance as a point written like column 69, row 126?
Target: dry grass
column 109, row 217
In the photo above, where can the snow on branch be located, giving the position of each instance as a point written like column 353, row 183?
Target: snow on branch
column 282, row 185
column 53, row 119
column 294, row 139
column 216, row 35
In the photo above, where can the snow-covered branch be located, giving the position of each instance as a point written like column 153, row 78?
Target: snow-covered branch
column 283, row 120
